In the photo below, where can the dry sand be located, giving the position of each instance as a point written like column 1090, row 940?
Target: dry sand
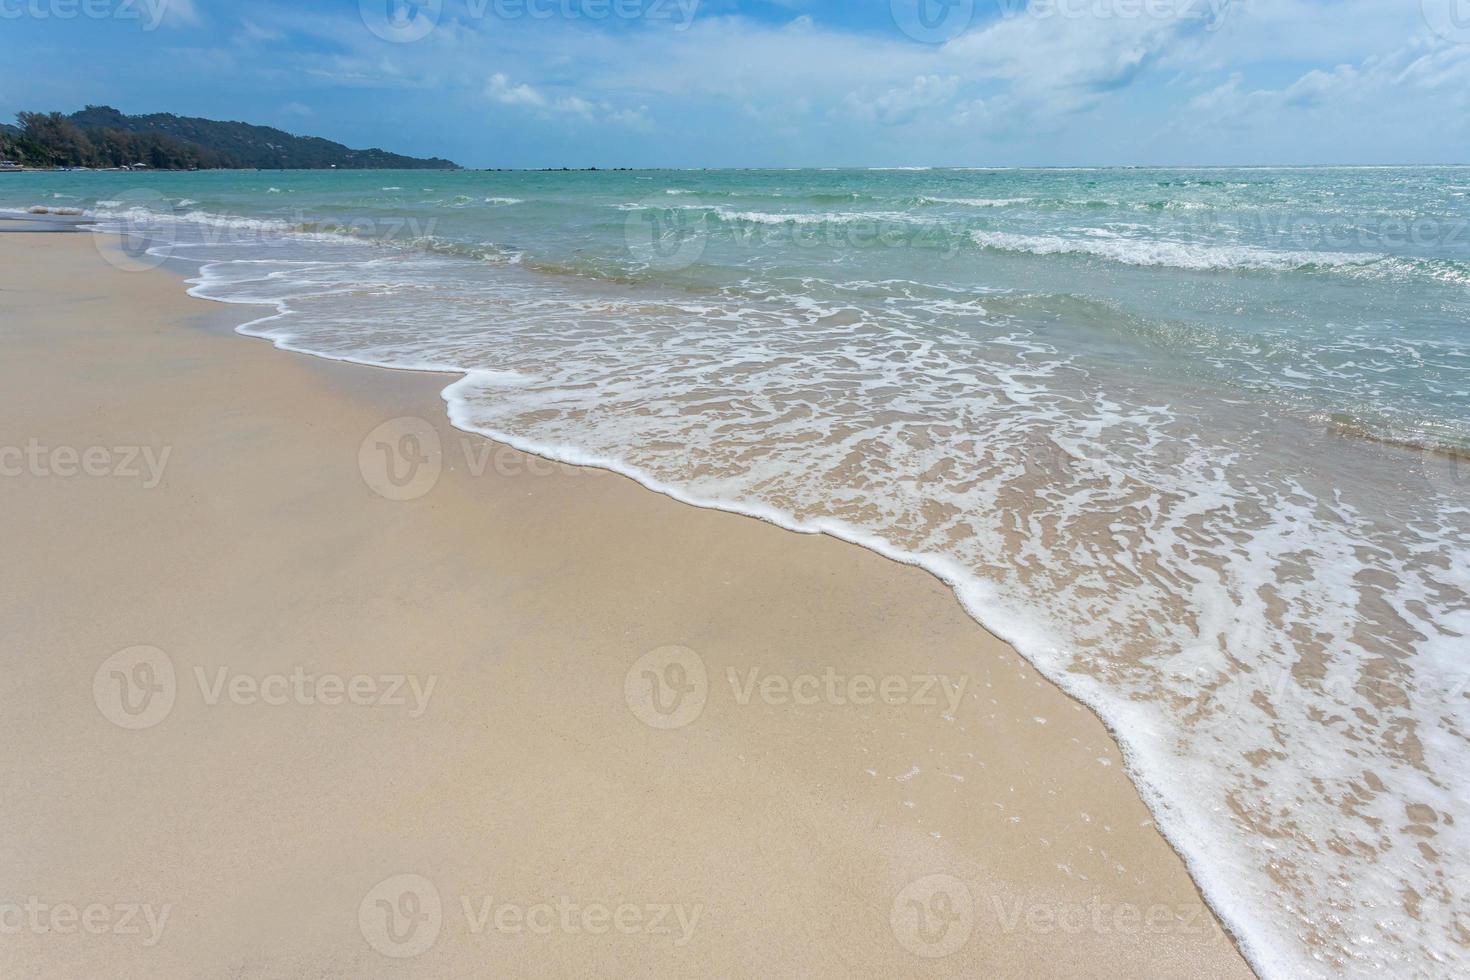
column 520, row 817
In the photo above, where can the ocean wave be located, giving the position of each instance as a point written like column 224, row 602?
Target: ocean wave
column 732, row 216
column 978, row 202
column 1189, row 256
column 795, row 196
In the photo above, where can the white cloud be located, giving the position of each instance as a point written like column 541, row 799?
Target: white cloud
column 1054, row 61
column 253, row 32
column 1378, row 86
column 501, row 90
column 902, row 105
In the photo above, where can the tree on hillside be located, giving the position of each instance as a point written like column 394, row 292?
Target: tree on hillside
column 58, row 136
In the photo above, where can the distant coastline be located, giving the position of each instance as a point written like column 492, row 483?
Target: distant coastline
column 102, row 138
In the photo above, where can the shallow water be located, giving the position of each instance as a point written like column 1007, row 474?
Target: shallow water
column 1195, row 441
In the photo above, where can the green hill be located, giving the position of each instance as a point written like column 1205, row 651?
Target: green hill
column 100, row 136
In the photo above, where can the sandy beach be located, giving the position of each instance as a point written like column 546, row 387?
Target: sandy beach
column 303, row 682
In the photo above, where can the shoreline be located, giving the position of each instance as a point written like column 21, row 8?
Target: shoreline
column 863, row 618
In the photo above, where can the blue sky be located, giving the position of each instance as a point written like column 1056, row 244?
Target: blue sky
column 526, row 83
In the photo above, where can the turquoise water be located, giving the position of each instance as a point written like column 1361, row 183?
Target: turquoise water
column 1339, row 290
column 1193, row 440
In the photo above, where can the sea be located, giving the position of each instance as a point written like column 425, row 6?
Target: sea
column 1195, row 441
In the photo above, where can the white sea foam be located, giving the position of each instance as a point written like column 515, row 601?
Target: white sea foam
column 1176, row 255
